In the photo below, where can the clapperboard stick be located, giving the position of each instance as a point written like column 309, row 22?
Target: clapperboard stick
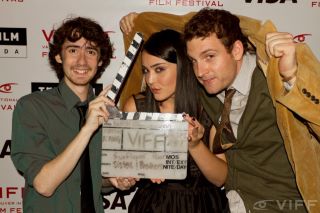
column 117, row 84
column 151, row 116
column 125, row 66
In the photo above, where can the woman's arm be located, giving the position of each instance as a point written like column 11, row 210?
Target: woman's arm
column 213, row 167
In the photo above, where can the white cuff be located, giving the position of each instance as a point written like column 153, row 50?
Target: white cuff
column 287, row 86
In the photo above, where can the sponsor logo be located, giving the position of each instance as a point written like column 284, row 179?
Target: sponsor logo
column 271, row 1
column 11, row 1
column 9, row 191
column 41, row 86
column 6, row 102
column 7, row 87
column 11, row 199
column 5, row 151
column 301, row 38
column 13, row 42
column 117, row 200
column 283, row 205
column 186, row 3
column 315, row 4
column 48, row 35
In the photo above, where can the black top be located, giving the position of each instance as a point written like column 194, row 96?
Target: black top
column 193, row 194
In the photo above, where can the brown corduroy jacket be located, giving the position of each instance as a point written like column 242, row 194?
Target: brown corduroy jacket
column 298, row 111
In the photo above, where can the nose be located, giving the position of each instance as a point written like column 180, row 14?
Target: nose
column 150, row 78
column 201, row 69
column 82, row 59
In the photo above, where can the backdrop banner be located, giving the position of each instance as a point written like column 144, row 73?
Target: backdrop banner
column 26, row 27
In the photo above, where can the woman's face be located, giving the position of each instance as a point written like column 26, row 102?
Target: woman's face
column 160, row 75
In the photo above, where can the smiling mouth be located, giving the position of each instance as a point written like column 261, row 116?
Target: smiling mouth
column 81, row 71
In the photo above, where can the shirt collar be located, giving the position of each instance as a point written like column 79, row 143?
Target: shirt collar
column 70, row 98
column 242, row 81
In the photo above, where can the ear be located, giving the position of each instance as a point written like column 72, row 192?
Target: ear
column 58, row 59
column 237, row 50
column 100, row 63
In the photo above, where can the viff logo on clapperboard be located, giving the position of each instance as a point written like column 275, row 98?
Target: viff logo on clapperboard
column 13, row 42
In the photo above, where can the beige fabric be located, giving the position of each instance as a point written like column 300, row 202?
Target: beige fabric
column 295, row 111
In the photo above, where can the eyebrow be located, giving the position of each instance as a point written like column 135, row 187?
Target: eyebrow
column 207, row 50
column 158, row 64
column 78, row 46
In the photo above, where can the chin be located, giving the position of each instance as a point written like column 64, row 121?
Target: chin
column 159, row 99
column 211, row 90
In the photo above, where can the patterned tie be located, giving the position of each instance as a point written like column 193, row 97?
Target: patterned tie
column 87, row 205
column 224, row 137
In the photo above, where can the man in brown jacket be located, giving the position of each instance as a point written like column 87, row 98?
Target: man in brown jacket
column 285, row 112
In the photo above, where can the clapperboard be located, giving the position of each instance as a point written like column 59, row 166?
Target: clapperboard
column 113, row 93
column 144, row 145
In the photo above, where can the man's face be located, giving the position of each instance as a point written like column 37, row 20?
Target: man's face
column 215, row 68
column 80, row 61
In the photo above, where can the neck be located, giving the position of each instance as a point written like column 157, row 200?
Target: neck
column 82, row 93
column 80, row 90
column 167, row 105
column 239, row 64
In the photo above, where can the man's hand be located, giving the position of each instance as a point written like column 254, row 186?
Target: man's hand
column 123, row 183
column 97, row 112
column 127, row 22
column 281, row 45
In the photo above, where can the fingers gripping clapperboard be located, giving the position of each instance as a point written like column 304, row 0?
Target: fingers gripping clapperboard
column 142, row 144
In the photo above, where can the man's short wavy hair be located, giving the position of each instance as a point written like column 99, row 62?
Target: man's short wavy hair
column 225, row 25
column 73, row 30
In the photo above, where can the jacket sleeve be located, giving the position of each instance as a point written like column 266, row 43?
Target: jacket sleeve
column 298, row 118
column 304, row 98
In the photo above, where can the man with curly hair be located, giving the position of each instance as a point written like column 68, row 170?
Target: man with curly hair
column 58, row 156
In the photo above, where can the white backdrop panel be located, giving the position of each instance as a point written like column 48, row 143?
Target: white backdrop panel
column 299, row 17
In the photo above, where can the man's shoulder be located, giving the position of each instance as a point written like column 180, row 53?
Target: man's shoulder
column 39, row 97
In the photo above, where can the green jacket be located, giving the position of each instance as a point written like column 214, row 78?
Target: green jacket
column 258, row 167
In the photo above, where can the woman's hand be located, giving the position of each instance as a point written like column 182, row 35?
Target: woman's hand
column 195, row 131
column 157, row 180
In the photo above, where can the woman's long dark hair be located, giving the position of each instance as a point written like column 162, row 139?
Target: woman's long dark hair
column 169, row 45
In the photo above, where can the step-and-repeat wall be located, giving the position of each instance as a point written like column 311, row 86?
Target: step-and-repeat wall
column 26, row 27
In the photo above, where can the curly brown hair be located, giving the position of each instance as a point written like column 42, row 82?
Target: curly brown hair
column 73, row 30
column 225, row 25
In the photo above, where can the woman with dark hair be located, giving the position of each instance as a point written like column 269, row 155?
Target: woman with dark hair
column 171, row 87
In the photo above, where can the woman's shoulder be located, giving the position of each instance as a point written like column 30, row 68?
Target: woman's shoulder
column 139, row 96
column 133, row 102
